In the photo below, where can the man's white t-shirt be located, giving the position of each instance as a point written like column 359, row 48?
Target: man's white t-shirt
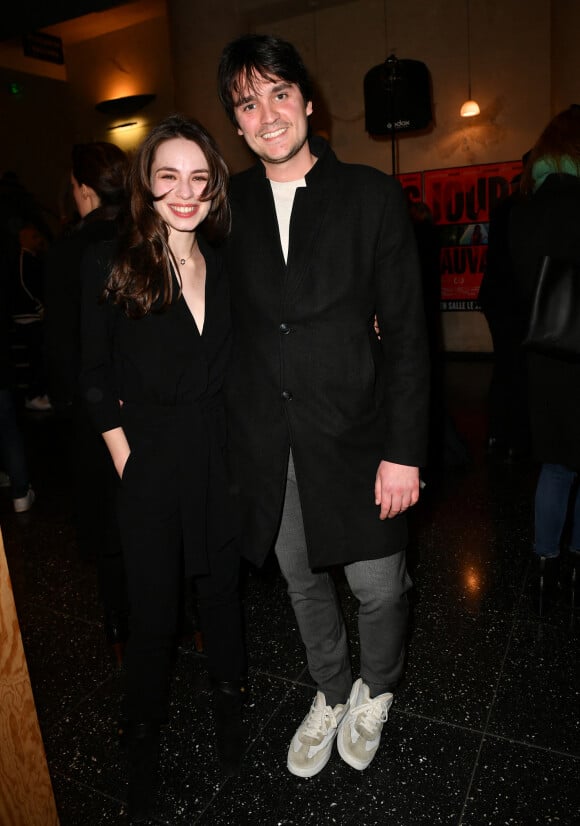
column 284, row 192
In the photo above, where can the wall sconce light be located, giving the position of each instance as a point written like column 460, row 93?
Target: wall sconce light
column 123, row 125
column 124, row 107
column 470, row 108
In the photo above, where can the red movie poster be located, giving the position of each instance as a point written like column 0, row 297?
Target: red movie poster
column 461, row 200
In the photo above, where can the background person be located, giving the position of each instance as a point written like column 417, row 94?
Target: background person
column 13, row 461
column 506, row 314
column 25, row 294
column 98, row 177
column 546, row 222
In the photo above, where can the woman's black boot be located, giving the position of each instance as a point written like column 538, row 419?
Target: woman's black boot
column 228, row 699
column 143, row 754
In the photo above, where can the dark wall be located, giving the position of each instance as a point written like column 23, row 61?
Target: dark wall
column 36, row 136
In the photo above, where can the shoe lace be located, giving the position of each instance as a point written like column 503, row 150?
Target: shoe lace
column 371, row 715
column 318, row 722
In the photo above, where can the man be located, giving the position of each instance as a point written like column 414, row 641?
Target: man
column 328, row 420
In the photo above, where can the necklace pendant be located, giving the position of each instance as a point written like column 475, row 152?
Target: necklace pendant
column 182, row 261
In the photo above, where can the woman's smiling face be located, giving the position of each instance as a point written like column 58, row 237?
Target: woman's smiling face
column 179, row 176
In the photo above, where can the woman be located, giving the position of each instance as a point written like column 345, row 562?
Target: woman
column 155, row 349
column 97, row 182
column 98, row 175
column 547, row 222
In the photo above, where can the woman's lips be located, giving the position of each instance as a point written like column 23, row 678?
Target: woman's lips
column 183, row 211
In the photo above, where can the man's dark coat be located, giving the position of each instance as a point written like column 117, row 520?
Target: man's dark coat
column 308, row 369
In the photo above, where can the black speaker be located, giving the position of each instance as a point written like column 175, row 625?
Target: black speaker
column 397, row 97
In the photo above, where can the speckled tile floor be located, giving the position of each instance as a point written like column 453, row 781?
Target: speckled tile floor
column 485, row 728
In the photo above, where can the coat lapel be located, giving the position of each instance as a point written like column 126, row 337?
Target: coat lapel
column 266, row 227
column 308, row 215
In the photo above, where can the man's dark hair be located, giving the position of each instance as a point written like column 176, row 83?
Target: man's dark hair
column 255, row 57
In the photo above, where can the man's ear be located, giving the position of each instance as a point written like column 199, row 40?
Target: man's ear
column 309, row 108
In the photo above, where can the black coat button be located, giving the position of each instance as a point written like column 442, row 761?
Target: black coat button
column 287, row 395
column 284, row 329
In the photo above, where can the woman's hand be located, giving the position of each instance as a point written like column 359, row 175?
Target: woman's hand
column 119, row 449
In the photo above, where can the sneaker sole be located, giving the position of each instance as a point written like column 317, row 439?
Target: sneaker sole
column 311, row 772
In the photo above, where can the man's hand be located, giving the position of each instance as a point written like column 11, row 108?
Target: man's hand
column 396, row 488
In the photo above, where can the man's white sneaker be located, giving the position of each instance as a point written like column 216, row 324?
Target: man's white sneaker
column 311, row 746
column 359, row 733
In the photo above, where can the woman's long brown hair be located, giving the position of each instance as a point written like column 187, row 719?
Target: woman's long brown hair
column 141, row 278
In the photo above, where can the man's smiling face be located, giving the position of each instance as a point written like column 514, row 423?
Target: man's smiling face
column 272, row 117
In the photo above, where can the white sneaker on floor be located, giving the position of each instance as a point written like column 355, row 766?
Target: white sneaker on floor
column 359, row 733
column 24, row 503
column 311, row 746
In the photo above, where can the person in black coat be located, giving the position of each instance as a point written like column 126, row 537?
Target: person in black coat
column 24, row 267
column 546, row 222
column 328, row 422
column 156, row 344
column 98, row 173
column 500, row 299
column 97, row 180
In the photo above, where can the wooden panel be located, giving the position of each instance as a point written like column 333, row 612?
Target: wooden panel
column 26, row 797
